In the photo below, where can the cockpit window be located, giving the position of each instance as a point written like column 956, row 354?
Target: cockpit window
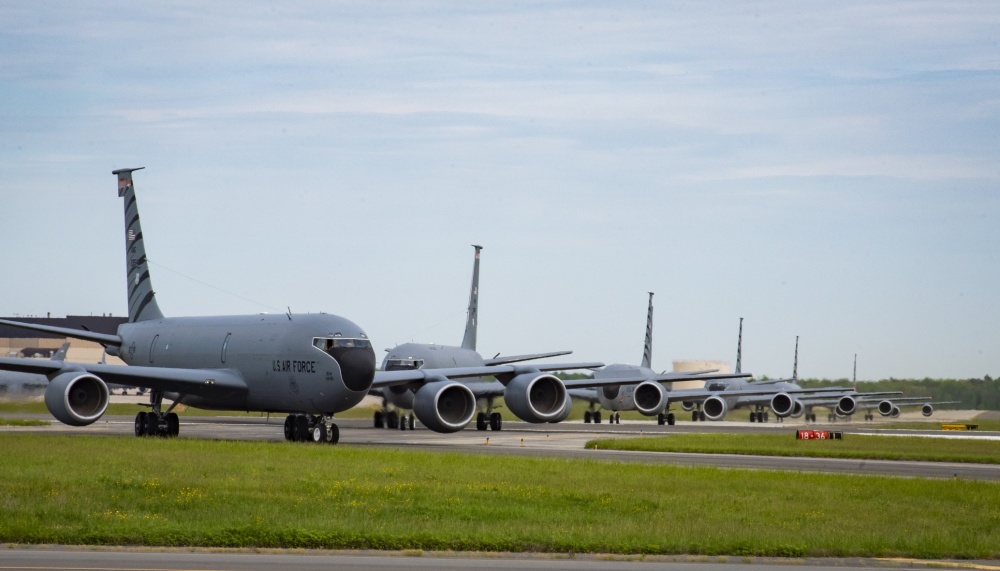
column 327, row 344
column 718, row 386
column 403, row 364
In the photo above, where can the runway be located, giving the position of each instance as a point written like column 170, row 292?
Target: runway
column 565, row 440
column 145, row 559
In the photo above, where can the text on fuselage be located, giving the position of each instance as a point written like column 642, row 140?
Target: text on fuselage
column 288, row 366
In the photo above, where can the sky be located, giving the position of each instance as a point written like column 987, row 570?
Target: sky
column 827, row 170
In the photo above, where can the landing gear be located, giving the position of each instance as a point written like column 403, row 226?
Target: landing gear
column 596, row 416
column 155, row 422
column 379, row 419
column 697, row 415
column 488, row 418
column 587, row 416
column 406, row 421
column 615, row 418
column 311, row 428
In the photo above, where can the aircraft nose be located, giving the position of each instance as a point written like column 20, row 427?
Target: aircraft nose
column 357, row 367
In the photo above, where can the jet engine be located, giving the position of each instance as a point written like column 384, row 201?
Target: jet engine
column 77, row 398
column 895, row 412
column 784, row 405
column 846, row 406
column 687, row 406
column 798, row 410
column 927, row 410
column 535, row 397
column 885, row 407
column 714, row 408
column 650, row 398
column 565, row 412
column 444, row 406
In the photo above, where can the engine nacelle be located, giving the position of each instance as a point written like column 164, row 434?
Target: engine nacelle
column 782, row 404
column 846, row 406
column 798, row 410
column 77, row 398
column 885, row 407
column 687, row 406
column 927, row 410
column 714, row 408
column 895, row 412
column 536, row 398
column 650, row 398
column 565, row 412
column 444, row 406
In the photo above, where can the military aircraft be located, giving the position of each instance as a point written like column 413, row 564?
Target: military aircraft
column 26, row 384
column 781, row 396
column 639, row 388
column 310, row 366
column 883, row 402
column 405, row 383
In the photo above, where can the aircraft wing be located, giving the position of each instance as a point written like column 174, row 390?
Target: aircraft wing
column 100, row 338
column 200, row 382
column 391, row 378
column 698, row 376
column 700, row 395
column 585, row 395
column 519, row 358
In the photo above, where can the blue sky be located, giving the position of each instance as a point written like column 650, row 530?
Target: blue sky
column 828, row 170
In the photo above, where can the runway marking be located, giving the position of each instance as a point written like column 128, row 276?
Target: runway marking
column 25, row 567
column 930, row 562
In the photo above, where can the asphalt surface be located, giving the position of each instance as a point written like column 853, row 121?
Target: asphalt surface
column 121, row 559
column 567, row 440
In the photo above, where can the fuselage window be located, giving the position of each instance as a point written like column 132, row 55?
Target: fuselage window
column 403, row 364
column 225, row 345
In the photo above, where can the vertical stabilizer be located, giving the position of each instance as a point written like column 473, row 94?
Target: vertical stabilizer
column 739, row 350
column 141, row 298
column 795, row 367
column 854, row 377
column 647, row 349
column 472, row 320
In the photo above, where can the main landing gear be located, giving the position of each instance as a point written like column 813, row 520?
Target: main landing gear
column 697, row 415
column 155, row 422
column 591, row 416
column 669, row 419
column 758, row 416
column 392, row 419
column 311, row 428
column 491, row 420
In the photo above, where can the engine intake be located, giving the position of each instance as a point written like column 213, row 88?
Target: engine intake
column 77, row 398
column 444, row 406
column 783, row 405
column 927, row 410
column 885, row 408
column 714, row 408
column 536, row 398
column 846, row 406
column 650, row 398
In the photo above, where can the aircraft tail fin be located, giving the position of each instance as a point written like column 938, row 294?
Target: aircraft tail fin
column 854, row 376
column 795, row 366
column 647, row 349
column 739, row 350
column 472, row 320
column 60, row 354
column 142, row 304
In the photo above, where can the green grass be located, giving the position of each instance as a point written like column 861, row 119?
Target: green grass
column 22, row 422
column 176, row 492
column 785, row 444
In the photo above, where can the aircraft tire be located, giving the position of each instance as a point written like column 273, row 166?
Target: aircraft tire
column 618, row 418
column 140, row 424
column 481, row 421
column 402, row 422
column 766, row 416
column 319, row 432
column 290, row 428
column 152, row 424
column 379, row 419
column 701, row 415
column 496, row 422
column 412, row 421
column 586, row 417
column 392, row 419
column 694, row 416
column 597, row 417
column 671, row 419
column 333, row 436
column 173, row 425
column 301, row 428
column 660, row 419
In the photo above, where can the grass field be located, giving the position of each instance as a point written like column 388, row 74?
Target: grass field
column 100, row 490
column 785, row 444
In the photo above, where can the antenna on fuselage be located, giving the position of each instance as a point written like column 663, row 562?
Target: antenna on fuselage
column 289, row 312
column 471, row 321
column 647, row 349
